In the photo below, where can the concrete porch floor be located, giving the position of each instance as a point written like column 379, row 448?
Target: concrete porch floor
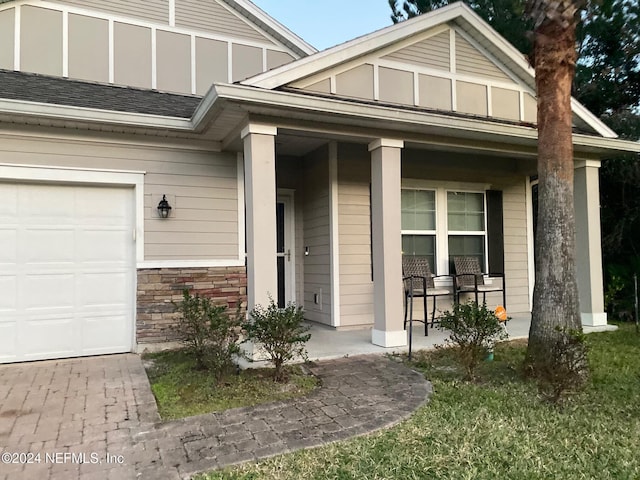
column 327, row 343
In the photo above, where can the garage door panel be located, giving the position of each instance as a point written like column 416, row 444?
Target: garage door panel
column 9, row 204
column 67, row 271
column 8, row 294
column 9, row 245
column 104, row 246
column 114, row 208
column 109, row 329
column 47, row 245
column 92, row 288
column 8, row 339
column 41, row 338
column 50, row 205
column 54, row 292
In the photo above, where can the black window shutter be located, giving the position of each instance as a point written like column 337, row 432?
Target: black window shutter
column 495, row 231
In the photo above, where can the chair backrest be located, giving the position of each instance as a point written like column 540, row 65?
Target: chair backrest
column 467, row 268
column 417, row 266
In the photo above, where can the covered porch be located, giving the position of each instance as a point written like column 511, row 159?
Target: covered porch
column 337, row 172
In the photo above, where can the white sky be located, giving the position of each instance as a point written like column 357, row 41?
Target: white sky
column 325, row 23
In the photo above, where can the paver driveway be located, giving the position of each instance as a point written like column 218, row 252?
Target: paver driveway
column 96, row 418
column 80, row 415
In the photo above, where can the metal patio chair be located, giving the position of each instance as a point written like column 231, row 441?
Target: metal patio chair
column 419, row 282
column 470, row 279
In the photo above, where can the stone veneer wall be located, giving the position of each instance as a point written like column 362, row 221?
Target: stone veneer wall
column 158, row 287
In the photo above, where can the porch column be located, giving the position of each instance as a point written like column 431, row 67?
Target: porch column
column 260, row 196
column 388, row 330
column 588, row 246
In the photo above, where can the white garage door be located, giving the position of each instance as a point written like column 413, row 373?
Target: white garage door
column 66, row 271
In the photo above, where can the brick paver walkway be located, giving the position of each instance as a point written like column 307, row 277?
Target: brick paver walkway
column 101, row 411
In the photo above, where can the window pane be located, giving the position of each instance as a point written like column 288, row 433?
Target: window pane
column 418, row 210
column 420, row 245
column 465, row 211
column 466, row 246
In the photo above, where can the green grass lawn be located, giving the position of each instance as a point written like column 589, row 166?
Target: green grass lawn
column 497, row 428
column 182, row 391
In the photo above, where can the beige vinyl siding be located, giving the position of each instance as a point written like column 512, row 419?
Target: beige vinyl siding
column 88, row 48
column 435, row 92
column 277, row 59
column 132, row 47
column 212, row 63
column 505, row 104
column 201, row 186
column 7, row 37
column 530, row 108
column 173, row 54
column 41, row 40
column 323, row 86
column 357, row 82
column 210, row 16
column 471, row 61
column 247, row 61
column 472, row 98
column 354, row 227
column 317, row 269
column 432, row 52
column 516, row 259
column 396, row 86
column 151, row 10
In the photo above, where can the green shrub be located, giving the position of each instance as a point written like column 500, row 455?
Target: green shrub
column 280, row 332
column 209, row 333
column 474, row 330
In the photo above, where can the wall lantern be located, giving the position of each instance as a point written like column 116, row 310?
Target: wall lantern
column 163, row 207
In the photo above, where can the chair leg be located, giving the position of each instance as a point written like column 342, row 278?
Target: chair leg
column 426, row 319
column 406, row 309
column 433, row 312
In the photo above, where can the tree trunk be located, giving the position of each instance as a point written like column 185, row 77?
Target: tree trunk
column 555, row 295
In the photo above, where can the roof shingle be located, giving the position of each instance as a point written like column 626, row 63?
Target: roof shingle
column 31, row 87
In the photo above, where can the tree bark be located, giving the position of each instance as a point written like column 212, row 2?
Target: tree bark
column 555, row 295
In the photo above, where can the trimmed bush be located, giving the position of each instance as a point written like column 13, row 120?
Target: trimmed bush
column 474, row 330
column 280, row 332
column 209, row 333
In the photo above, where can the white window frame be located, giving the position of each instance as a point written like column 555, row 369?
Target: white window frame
column 469, row 233
column 433, row 233
column 442, row 232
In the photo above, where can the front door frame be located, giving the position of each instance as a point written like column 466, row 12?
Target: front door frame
column 287, row 197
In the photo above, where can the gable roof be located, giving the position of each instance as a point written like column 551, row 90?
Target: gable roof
column 36, row 88
column 277, row 30
column 457, row 14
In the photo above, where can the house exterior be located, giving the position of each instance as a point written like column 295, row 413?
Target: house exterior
column 292, row 174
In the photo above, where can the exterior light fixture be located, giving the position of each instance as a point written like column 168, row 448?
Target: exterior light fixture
column 163, row 207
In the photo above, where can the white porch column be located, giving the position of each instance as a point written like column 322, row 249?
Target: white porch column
column 260, row 195
column 588, row 246
column 388, row 330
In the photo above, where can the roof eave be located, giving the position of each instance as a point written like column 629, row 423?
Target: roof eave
column 92, row 115
column 353, row 112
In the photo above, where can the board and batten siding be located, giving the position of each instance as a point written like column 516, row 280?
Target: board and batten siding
column 316, row 233
column 149, row 10
column 201, row 186
column 147, row 51
column 7, row 38
column 354, row 227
